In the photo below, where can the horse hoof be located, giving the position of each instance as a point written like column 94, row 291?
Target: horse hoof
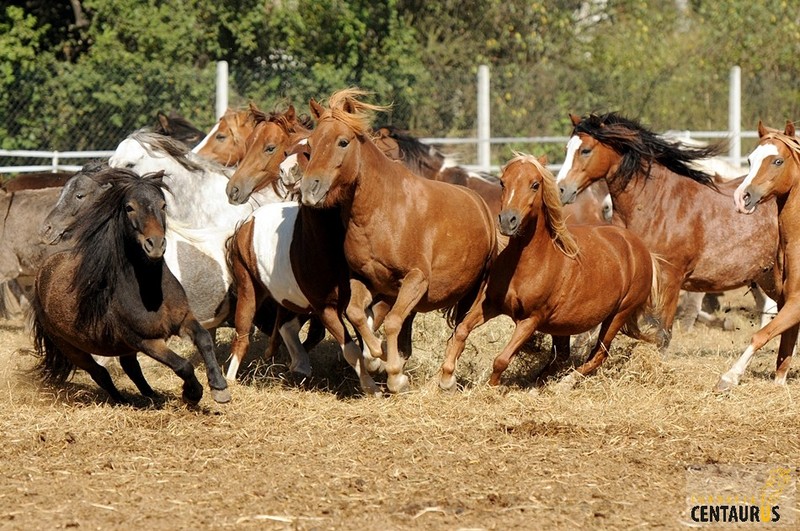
column 726, row 383
column 397, row 384
column 728, row 325
column 375, row 365
column 447, row 383
column 221, row 396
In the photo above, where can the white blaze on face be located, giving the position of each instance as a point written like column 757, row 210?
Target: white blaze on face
column 208, row 137
column 756, row 159
column 573, row 146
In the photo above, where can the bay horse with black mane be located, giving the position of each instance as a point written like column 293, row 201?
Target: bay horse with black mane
column 774, row 173
column 113, row 295
column 554, row 279
column 680, row 213
column 421, row 245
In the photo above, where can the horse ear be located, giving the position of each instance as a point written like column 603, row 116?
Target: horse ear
column 575, row 119
column 789, row 131
column 316, row 109
column 157, row 176
column 164, row 121
column 542, row 160
column 291, row 115
column 761, row 129
column 104, row 187
column 348, row 106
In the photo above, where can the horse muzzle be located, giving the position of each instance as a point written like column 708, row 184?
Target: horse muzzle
column 313, row 192
column 49, row 236
column 238, row 195
column 747, row 200
column 509, row 222
column 568, row 192
column 154, row 246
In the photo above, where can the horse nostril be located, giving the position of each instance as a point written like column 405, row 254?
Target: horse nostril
column 746, row 198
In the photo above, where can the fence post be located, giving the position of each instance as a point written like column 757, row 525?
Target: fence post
column 484, row 126
column 735, row 116
column 222, row 88
column 55, row 162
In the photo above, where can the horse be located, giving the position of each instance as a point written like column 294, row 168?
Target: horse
column 113, row 295
column 774, row 172
column 179, row 128
column 547, row 277
column 419, row 244
column 679, row 212
column 593, row 207
column 225, row 143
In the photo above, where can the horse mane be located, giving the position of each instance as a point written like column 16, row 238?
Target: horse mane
column 99, row 243
column 553, row 211
column 346, row 106
column 177, row 150
column 640, row 148
column 791, row 142
column 414, row 153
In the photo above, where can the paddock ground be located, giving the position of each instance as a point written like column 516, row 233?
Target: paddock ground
column 612, row 453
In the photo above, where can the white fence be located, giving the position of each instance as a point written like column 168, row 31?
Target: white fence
column 482, row 141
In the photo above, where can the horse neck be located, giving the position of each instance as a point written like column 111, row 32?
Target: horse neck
column 377, row 182
column 789, row 211
column 147, row 273
column 628, row 198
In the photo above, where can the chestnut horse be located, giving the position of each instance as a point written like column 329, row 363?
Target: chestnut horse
column 558, row 280
column 677, row 210
column 592, row 207
column 419, row 244
column 225, row 143
column 113, row 295
column 774, row 173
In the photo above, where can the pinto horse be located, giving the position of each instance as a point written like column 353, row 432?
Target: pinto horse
column 592, row 207
column 113, row 295
column 774, row 173
column 547, row 277
column 421, row 245
column 677, row 210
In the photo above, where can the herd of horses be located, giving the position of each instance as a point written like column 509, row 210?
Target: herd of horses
column 271, row 220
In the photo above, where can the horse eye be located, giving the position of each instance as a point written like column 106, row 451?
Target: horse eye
column 130, row 165
column 270, row 149
column 777, row 162
column 129, row 209
column 586, row 151
column 502, row 185
column 535, row 186
column 79, row 197
column 343, row 143
column 220, row 138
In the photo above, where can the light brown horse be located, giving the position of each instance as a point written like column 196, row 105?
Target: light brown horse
column 226, row 142
column 775, row 173
column 677, row 210
column 593, row 207
column 557, row 280
column 422, row 245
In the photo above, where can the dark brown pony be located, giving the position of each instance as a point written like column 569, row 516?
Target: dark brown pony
column 422, row 245
column 774, row 173
column 557, row 280
column 591, row 207
column 113, row 295
column 678, row 211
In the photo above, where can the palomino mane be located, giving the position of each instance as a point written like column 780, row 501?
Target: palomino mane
column 346, row 107
column 154, row 142
column 99, row 243
column 640, row 148
column 551, row 201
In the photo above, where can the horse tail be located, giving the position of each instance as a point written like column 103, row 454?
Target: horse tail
column 232, row 251
column 54, row 366
column 651, row 309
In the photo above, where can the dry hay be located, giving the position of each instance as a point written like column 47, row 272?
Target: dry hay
column 610, row 453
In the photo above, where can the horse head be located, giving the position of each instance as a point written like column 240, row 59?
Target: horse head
column 226, row 143
column 79, row 193
column 145, row 211
column 587, row 160
column 774, row 165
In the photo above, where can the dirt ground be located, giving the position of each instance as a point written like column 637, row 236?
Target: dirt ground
column 612, row 453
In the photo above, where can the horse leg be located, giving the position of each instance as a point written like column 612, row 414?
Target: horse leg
column 522, row 332
column 559, row 354
column 290, row 333
column 99, row 374
column 412, row 289
column 205, row 344
column 333, row 323
column 360, row 300
column 130, row 364
column 316, row 333
column 788, row 317
column 688, row 310
column 159, row 351
column 785, row 353
column 764, row 305
column 474, row 318
column 246, row 307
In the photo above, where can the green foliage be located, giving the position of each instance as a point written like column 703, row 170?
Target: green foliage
column 68, row 86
